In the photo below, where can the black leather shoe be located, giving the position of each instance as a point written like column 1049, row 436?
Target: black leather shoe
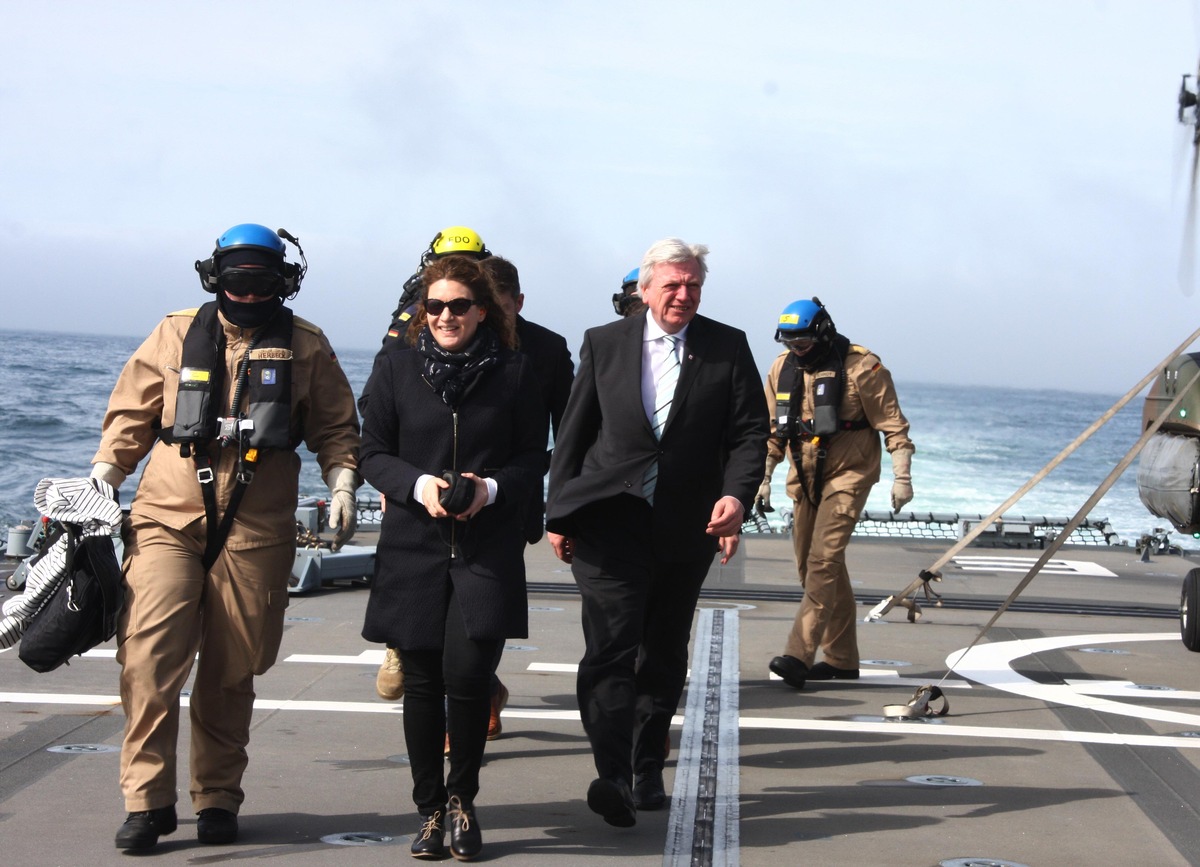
column 216, row 826
column 612, row 800
column 648, row 791
column 825, row 671
column 429, row 842
column 792, row 670
column 142, row 829
column 465, row 840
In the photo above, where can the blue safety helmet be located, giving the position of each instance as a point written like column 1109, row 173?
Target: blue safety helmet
column 250, row 236
column 627, row 301
column 253, row 243
column 803, row 325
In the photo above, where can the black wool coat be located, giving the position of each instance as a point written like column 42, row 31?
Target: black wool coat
column 499, row 431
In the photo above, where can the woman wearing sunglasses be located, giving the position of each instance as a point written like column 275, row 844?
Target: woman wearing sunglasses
column 455, row 437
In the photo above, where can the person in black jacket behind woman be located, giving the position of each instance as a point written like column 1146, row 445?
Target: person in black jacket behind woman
column 449, row 584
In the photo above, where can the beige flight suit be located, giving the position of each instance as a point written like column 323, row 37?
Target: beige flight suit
column 232, row 616
column 826, row 619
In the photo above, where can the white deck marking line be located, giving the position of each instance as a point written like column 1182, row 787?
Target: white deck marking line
column 1022, row 564
column 943, row 730
column 991, row 665
column 705, row 817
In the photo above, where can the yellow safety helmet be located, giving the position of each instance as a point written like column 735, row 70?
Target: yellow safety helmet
column 458, row 240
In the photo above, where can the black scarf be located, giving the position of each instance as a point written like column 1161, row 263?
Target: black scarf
column 451, row 373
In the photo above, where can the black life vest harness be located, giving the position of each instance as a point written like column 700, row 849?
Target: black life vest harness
column 264, row 376
column 829, row 382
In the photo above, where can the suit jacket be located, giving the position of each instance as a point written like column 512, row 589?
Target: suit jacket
column 714, row 443
column 552, row 362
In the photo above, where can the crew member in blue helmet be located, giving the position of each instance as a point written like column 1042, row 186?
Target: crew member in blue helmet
column 219, row 397
column 628, row 302
column 830, row 400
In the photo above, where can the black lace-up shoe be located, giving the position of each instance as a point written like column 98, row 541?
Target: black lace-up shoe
column 793, row 671
column 648, row 790
column 825, row 671
column 143, row 828
column 216, row 826
column 429, row 842
column 612, row 800
column 465, row 840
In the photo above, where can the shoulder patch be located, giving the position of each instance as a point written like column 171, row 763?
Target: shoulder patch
column 189, row 311
column 300, row 322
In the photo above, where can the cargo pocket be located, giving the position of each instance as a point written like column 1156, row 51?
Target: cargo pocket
column 266, row 651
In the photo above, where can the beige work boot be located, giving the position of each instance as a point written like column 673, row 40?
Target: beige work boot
column 389, row 682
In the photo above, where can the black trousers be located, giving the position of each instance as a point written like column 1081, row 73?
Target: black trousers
column 637, row 619
column 448, row 687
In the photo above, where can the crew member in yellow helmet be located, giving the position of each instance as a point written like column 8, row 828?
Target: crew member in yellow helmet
column 451, row 241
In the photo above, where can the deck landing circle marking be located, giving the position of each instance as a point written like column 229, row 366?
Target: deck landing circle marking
column 83, row 749
column 978, row 862
column 400, row 759
column 886, row 663
column 1113, row 650
column 942, row 780
column 358, row 838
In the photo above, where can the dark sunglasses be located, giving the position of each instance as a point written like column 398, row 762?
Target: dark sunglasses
column 251, row 281
column 458, row 306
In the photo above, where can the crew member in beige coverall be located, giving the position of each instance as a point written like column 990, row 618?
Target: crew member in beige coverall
column 830, row 399
column 173, row 397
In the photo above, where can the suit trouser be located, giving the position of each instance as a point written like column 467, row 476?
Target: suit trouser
column 826, row 619
column 233, row 618
column 637, row 619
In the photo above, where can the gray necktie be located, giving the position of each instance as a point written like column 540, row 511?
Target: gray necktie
column 664, row 394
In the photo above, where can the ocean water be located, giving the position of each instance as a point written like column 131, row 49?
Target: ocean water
column 975, row 446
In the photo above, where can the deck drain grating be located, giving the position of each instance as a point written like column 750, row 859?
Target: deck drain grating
column 942, row 780
column 888, row 663
column 518, row 648
column 83, row 749
column 358, row 838
column 978, row 862
column 1113, row 650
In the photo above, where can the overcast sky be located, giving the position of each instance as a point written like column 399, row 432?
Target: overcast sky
column 982, row 192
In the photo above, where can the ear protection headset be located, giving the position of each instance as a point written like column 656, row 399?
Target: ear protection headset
column 252, row 236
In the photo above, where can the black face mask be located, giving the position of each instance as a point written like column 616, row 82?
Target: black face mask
column 248, row 314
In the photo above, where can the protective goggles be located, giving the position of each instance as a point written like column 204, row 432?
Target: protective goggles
column 458, row 306
column 797, row 344
column 261, row 282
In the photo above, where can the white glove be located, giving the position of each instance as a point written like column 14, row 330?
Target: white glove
column 343, row 509
column 902, row 489
column 110, row 473
column 763, row 498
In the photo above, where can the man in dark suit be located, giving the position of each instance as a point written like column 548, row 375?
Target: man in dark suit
column 657, row 461
column 552, row 361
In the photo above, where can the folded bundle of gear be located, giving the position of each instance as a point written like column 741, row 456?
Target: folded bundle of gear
column 73, row 591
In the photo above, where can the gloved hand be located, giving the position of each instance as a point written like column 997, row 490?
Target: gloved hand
column 902, row 490
column 343, row 510
column 762, row 500
column 110, row 474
